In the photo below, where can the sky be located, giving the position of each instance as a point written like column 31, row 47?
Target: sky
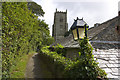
column 92, row 11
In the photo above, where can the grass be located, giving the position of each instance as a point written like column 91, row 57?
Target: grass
column 18, row 70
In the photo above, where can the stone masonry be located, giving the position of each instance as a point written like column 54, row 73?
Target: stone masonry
column 60, row 25
column 104, row 38
column 109, row 61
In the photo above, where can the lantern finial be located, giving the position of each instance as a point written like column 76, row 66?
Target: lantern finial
column 77, row 18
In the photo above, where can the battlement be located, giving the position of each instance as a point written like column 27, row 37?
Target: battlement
column 61, row 11
column 60, row 25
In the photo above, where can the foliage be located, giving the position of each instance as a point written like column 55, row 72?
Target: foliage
column 57, row 60
column 22, row 32
column 67, row 33
column 36, row 9
column 84, row 67
column 60, row 49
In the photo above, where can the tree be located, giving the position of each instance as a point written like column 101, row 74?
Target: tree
column 36, row 9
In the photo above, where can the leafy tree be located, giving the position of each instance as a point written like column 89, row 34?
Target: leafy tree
column 36, row 9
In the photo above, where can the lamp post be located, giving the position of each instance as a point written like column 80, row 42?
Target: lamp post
column 79, row 29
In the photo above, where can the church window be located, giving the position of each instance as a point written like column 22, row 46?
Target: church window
column 61, row 19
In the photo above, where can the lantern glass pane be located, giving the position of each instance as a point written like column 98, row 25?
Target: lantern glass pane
column 81, row 32
column 75, row 34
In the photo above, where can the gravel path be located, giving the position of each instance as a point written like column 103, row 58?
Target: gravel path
column 37, row 68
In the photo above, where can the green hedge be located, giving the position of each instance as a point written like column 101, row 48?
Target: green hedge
column 84, row 67
column 22, row 32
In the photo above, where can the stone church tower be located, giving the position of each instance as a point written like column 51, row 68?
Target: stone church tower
column 60, row 25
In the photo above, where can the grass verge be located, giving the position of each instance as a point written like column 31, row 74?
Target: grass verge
column 18, row 70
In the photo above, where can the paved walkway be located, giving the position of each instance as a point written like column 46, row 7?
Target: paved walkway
column 37, row 68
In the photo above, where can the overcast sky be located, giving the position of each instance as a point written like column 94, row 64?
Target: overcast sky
column 92, row 11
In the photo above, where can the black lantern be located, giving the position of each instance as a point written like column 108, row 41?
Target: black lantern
column 79, row 29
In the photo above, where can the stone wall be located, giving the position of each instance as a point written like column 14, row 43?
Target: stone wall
column 72, row 53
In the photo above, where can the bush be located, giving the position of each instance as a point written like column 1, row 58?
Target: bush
column 59, row 62
column 60, row 50
column 84, row 67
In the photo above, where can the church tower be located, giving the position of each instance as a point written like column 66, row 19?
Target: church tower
column 60, row 25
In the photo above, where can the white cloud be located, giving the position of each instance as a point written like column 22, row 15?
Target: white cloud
column 93, row 11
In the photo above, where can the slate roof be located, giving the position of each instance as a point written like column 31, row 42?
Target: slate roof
column 108, row 52
column 109, row 60
column 67, row 42
column 92, row 32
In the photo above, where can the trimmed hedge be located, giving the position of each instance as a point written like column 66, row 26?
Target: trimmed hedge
column 22, row 32
column 84, row 67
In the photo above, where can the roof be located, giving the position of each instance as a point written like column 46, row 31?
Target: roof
column 107, row 52
column 67, row 42
column 96, row 30
column 109, row 61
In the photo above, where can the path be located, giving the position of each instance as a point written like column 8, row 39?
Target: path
column 37, row 67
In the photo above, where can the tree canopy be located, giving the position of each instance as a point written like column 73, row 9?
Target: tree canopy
column 36, row 9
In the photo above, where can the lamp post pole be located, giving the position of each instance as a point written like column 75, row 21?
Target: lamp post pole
column 79, row 31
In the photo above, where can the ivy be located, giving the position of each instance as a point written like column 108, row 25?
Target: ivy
column 85, row 67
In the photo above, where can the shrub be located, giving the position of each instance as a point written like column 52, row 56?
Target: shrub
column 60, row 49
column 84, row 67
column 59, row 62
